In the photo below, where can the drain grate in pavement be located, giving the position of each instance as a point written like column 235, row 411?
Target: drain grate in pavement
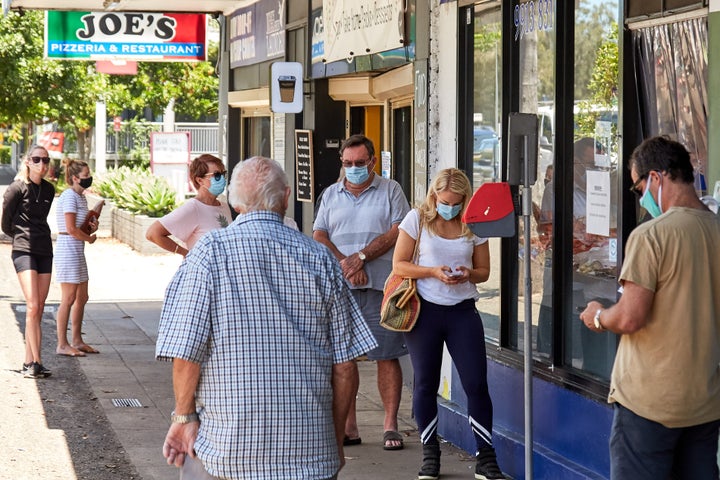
column 126, row 402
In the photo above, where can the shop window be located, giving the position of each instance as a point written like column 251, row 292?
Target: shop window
column 256, row 135
column 594, row 185
column 535, row 33
column 671, row 61
column 486, row 165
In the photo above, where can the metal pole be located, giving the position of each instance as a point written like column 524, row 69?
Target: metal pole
column 527, row 211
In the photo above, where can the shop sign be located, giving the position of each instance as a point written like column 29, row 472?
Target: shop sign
column 257, row 33
column 361, row 27
column 159, row 37
column 535, row 15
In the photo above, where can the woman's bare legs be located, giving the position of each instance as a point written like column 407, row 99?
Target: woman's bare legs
column 77, row 314
column 35, row 288
column 69, row 294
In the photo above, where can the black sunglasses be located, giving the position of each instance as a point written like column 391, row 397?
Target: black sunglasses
column 635, row 185
column 45, row 160
column 216, row 175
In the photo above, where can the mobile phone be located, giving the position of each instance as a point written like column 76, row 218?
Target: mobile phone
column 453, row 274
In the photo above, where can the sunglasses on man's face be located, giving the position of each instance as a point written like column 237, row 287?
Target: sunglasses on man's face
column 636, row 186
column 216, row 175
column 45, row 160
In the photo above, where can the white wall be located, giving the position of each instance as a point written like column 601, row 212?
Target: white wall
column 442, row 117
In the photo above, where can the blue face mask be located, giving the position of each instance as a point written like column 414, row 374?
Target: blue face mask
column 357, row 175
column 648, row 202
column 448, row 212
column 217, row 186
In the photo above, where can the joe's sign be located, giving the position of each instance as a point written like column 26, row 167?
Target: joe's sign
column 159, row 37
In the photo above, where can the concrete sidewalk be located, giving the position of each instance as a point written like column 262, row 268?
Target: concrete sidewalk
column 121, row 320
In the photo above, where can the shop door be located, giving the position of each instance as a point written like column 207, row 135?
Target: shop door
column 401, row 162
column 368, row 120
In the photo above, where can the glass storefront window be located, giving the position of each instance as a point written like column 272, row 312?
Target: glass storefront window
column 257, row 136
column 595, row 185
column 487, row 68
column 535, row 39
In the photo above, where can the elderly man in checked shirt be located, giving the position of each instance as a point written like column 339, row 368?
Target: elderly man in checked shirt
column 262, row 330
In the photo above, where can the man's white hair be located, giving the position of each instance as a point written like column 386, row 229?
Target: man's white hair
column 258, row 183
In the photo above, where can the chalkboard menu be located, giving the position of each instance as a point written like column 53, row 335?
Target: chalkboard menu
column 304, row 165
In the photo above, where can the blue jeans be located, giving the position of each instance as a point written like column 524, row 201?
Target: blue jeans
column 642, row 449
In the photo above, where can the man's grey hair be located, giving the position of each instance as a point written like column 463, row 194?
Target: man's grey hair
column 257, row 184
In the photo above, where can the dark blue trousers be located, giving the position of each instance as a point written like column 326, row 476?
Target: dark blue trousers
column 641, row 449
column 460, row 328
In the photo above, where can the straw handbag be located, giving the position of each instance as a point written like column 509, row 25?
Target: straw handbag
column 401, row 305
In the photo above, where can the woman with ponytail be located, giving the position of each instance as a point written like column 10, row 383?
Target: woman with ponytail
column 70, row 265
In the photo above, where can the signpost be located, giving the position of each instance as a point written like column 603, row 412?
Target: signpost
column 169, row 158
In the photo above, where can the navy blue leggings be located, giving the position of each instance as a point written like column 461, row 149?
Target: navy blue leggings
column 460, row 328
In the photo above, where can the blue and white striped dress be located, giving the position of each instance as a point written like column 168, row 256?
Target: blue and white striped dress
column 70, row 264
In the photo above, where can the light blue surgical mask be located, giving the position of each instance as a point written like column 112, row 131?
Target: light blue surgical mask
column 217, row 186
column 648, row 202
column 448, row 212
column 357, row 175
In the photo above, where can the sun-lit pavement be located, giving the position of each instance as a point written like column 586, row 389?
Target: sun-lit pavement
column 126, row 291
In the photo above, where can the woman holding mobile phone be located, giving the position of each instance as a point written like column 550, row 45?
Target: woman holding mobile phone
column 450, row 261
column 75, row 227
column 26, row 205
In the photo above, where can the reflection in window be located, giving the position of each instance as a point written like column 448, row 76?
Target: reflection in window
column 486, row 145
column 536, row 42
column 257, row 137
column 595, row 185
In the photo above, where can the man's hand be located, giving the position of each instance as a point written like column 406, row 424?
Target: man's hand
column 588, row 316
column 358, row 279
column 351, row 265
column 180, row 441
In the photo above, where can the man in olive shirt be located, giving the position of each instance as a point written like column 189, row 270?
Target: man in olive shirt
column 666, row 379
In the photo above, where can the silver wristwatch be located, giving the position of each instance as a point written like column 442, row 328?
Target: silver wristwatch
column 362, row 256
column 596, row 320
column 188, row 418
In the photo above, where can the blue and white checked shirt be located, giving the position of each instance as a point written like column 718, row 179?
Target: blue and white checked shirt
column 266, row 313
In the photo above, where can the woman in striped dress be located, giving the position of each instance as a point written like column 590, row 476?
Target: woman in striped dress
column 70, row 265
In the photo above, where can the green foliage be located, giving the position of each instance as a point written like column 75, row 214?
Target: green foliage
column 135, row 189
column 139, row 131
column 603, row 87
column 34, row 89
column 4, row 154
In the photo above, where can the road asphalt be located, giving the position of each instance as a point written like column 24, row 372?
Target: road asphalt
column 131, row 391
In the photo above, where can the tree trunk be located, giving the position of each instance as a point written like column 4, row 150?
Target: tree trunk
column 84, row 138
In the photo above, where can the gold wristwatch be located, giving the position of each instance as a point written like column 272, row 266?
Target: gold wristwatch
column 188, row 418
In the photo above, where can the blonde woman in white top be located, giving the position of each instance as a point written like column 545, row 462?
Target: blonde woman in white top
column 450, row 261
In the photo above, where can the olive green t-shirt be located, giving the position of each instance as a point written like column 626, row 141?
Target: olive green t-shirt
column 669, row 370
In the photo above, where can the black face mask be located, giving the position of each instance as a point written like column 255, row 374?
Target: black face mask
column 86, row 182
